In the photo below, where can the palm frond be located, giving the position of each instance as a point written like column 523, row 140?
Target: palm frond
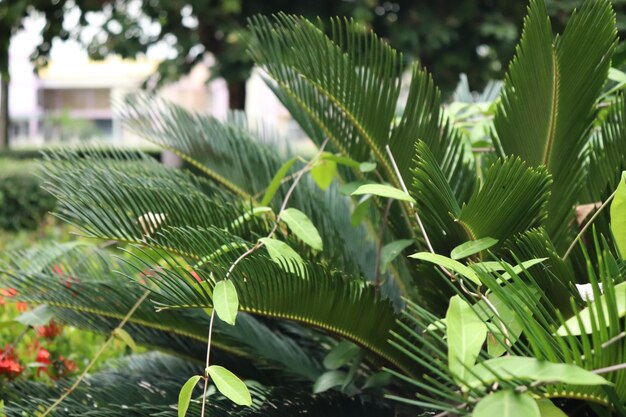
column 549, row 97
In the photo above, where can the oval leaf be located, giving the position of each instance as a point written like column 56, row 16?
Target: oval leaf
column 448, row 263
column 390, row 251
column 367, row 166
column 126, row 338
column 328, row 380
column 383, row 190
column 40, row 316
column 359, row 212
column 276, row 181
column 282, row 254
column 507, row 403
column 230, row 386
column 225, row 301
column 302, row 227
column 618, row 216
column 340, row 355
column 323, row 173
column 472, row 247
column 184, row 396
column 466, row 334
column 511, row 368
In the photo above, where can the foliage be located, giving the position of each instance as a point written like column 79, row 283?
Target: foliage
column 23, row 203
column 474, row 307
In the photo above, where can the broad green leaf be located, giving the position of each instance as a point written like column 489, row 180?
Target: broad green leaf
column 40, row 316
column 225, row 301
column 276, row 181
column 378, row 380
column 617, row 75
column 126, row 338
column 341, row 354
column 230, row 386
column 448, row 263
column 349, row 188
column 383, row 190
column 618, row 216
column 302, row 227
column 510, row 368
column 367, row 166
column 548, row 409
column 343, row 160
column 284, row 255
column 472, row 247
column 466, row 334
column 184, row 396
column 360, row 211
column 329, row 380
column 323, row 173
column 507, row 403
column 390, row 251
column 597, row 305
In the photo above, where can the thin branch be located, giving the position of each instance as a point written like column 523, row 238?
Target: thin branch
column 584, row 229
column 283, row 206
column 608, row 369
column 97, row 356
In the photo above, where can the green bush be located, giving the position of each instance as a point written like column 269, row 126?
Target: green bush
column 23, row 203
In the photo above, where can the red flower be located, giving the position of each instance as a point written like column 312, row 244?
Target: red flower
column 22, row 306
column 6, row 292
column 8, row 363
column 43, row 358
column 50, row 330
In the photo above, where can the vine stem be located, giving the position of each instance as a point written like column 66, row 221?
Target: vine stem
column 584, row 229
column 298, row 176
column 97, row 356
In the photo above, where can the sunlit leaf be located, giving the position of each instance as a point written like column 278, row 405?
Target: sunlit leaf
column 618, row 216
column 507, row 403
column 283, row 254
column 276, row 181
column 225, row 301
column 184, row 397
column 230, row 385
column 323, row 173
column 472, row 247
column 302, row 227
column 449, row 264
column 125, row 337
column 383, row 190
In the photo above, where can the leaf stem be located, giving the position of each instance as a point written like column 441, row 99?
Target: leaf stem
column 584, row 229
column 97, row 356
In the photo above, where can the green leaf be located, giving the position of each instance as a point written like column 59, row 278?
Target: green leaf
column 472, row 247
column 343, row 160
column 573, row 324
column 510, row 368
column 350, row 187
column 448, row 263
column 383, row 190
column 507, row 403
column 184, row 396
column 618, row 216
column 302, row 227
column 548, row 409
column 466, row 334
column 390, row 251
column 340, row 355
column 367, row 166
column 328, row 380
column 359, row 212
column 323, row 173
column 378, row 380
column 225, row 301
column 230, row 386
column 126, row 338
column 39, row 316
column 284, row 255
column 276, row 181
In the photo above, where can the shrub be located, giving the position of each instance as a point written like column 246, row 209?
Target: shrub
column 23, row 203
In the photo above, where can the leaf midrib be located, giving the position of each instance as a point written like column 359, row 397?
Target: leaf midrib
column 553, row 110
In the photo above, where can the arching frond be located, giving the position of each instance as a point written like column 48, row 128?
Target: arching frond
column 549, row 96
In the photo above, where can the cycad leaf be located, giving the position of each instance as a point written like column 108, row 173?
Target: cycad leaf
column 549, row 95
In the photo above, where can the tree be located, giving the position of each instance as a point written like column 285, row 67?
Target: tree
column 453, row 274
column 195, row 28
column 12, row 15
